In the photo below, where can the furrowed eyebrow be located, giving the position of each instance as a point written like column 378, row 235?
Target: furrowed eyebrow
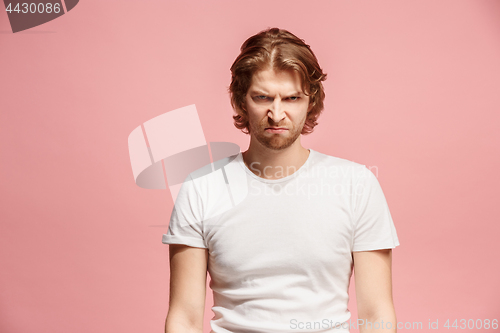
column 296, row 93
column 257, row 92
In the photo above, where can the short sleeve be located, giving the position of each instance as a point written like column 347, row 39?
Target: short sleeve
column 185, row 226
column 373, row 225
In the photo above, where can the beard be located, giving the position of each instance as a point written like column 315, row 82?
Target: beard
column 276, row 141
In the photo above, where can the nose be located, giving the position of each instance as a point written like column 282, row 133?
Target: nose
column 276, row 112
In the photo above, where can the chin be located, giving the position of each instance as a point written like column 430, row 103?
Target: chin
column 277, row 143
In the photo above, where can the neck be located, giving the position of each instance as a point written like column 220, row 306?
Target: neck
column 274, row 164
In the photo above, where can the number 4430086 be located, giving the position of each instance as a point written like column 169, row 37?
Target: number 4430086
column 471, row 324
column 34, row 8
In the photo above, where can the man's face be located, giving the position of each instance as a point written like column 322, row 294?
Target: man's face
column 276, row 100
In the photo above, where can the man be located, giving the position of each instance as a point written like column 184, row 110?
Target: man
column 280, row 227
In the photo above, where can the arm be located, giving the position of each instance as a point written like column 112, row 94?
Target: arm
column 188, row 277
column 372, row 275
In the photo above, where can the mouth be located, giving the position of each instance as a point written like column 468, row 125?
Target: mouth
column 276, row 129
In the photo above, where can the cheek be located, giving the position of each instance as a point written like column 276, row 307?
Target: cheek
column 257, row 113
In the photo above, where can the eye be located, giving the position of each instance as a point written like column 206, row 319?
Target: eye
column 294, row 98
column 260, row 98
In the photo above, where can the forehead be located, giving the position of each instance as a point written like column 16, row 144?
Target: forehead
column 272, row 81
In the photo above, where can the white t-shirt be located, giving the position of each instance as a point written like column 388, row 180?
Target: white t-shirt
column 280, row 250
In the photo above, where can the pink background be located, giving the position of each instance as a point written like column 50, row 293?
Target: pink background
column 412, row 89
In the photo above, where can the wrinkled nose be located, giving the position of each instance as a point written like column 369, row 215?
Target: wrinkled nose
column 276, row 112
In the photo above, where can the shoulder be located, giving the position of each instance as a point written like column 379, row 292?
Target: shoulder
column 219, row 186
column 211, row 182
column 213, row 173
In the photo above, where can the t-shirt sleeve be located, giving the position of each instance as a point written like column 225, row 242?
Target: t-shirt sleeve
column 186, row 225
column 373, row 225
